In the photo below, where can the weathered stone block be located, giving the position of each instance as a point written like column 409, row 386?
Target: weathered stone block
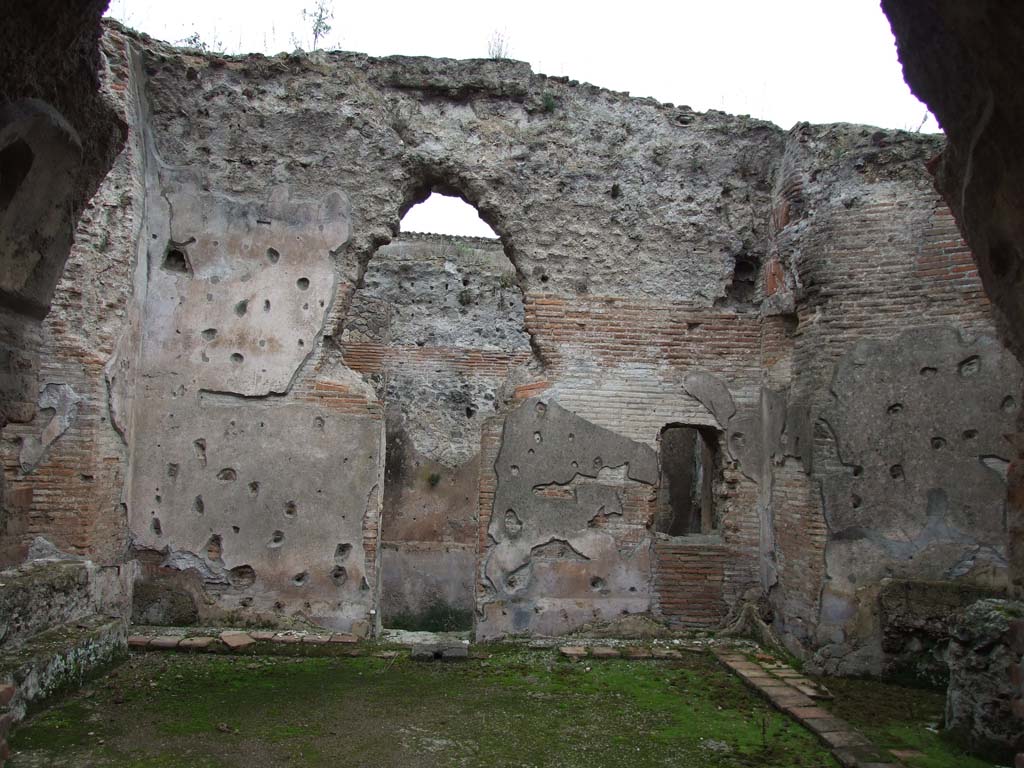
column 236, row 641
column 979, row 701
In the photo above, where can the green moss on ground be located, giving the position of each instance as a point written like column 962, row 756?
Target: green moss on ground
column 899, row 717
column 517, row 708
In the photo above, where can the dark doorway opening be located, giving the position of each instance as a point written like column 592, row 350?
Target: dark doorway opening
column 688, row 469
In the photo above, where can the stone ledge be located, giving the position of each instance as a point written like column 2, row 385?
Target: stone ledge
column 61, row 658
column 255, row 642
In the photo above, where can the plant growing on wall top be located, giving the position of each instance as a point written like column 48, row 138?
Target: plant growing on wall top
column 497, row 46
column 320, row 18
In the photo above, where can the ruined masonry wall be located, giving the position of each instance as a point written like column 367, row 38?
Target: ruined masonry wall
column 272, row 362
column 899, row 393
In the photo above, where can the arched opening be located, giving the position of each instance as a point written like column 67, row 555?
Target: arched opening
column 437, row 327
column 690, row 464
column 442, row 214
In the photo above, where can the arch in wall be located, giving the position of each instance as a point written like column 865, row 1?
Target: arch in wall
column 444, row 315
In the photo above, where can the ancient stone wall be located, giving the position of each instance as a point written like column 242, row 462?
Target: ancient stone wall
column 900, row 392
column 438, row 330
column 282, row 378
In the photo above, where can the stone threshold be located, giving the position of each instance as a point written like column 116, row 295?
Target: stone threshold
column 792, row 693
column 239, row 641
column 624, row 652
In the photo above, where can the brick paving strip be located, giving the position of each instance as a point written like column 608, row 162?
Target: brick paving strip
column 787, row 690
column 794, row 694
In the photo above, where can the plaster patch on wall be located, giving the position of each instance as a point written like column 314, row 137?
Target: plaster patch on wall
column 62, row 403
column 908, row 462
column 292, row 527
column 240, row 291
column 549, row 570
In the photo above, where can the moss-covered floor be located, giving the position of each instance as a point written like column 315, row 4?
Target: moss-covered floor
column 898, row 717
column 516, row 708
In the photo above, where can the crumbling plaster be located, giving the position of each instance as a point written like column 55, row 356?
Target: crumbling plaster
column 656, row 251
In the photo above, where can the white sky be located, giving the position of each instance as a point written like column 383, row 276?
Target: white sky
column 779, row 60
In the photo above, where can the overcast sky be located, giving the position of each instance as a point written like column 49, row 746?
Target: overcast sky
column 779, row 60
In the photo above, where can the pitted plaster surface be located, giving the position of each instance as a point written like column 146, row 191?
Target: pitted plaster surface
column 275, row 528
column 546, row 554
column 239, row 292
column 913, row 487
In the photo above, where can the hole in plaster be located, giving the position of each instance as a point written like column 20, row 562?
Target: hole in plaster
column 227, row 475
column 290, row 510
column 514, row 469
column 938, row 442
column 300, row 578
column 235, row 529
column 970, row 366
column 254, row 488
column 302, row 283
column 364, row 585
column 858, row 470
column 855, row 500
column 928, row 371
column 339, row 575
column 537, row 438
column 199, row 447
column 198, row 506
column 341, row 553
column 242, row 576
column 176, row 260
column 209, row 334
column 470, row 412
column 273, row 255
column 896, row 472
column 1008, row 404
column 15, row 162
column 214, row 547
column 597, row 583
column 302, row 343
column 276, row 539
column 530, row 452
column 598, row 462
column 318, row 422
column 237, row 358
column 242, row 307
column 744, row 278
column 575, row 465
column 572, row 437
column 541, row 409
column 895, row 408
column 266, row 305
column 970, row 434
column 513, row 525
column 156, row 526
column 172, row 470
